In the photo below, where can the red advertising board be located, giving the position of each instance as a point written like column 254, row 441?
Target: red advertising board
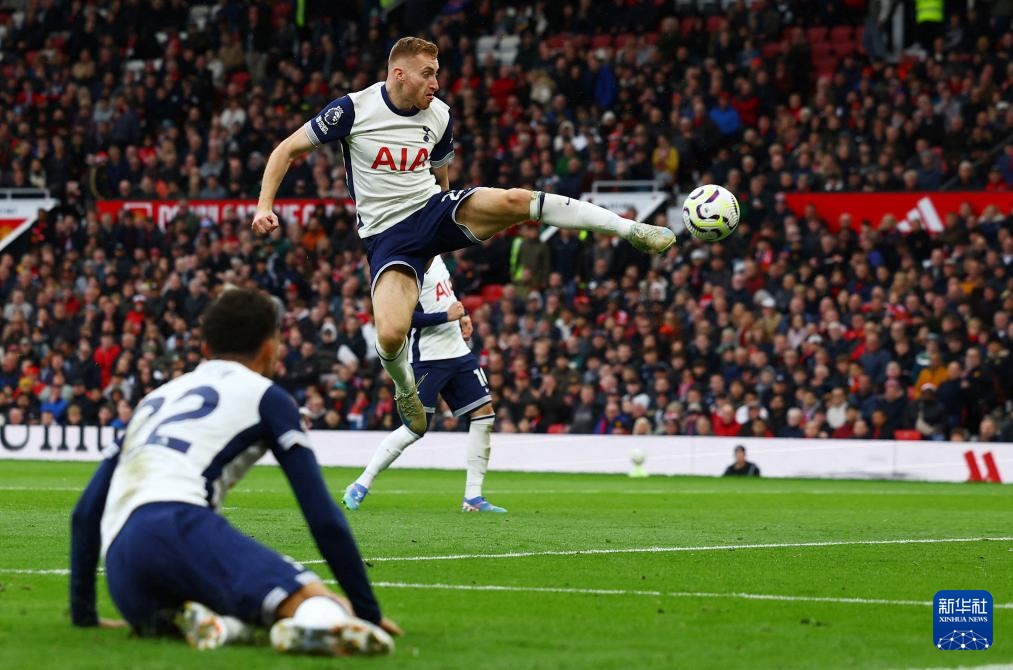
column 928, row 207
column 162, row 211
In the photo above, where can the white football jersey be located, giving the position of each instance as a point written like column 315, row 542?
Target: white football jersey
column 443, row 341
column 192, row 439
column 387, row 152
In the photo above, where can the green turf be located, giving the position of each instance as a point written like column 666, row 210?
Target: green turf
column 414, row 513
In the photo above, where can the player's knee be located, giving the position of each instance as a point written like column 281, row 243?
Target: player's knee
column 389, row 338
column 518, row 201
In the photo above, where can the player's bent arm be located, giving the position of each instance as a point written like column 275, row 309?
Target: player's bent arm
column 329, row 529
column 293, row 146
column 442, row 175
column 86, row 544
column 422, row 319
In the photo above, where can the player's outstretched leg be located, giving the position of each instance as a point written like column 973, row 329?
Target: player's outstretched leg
column 479, row 436
column 487, row 211
column 563, row 212
column 204, row 629
column 386, row 453
column 323, row 627
column 395, row 294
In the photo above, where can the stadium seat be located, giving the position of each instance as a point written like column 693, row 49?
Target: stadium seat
column 472, row 302
column 841, row 34
column 688, row 26
column 845, row 48
column 652, row 38
column 623, row 40
column 907, row 435
column 557, row 429
column 556, row 42
column 825, row 66
column 771, row 50
column 240, row 79
column 820, row 51
column 601, row 41
column 492, row 292
column 715, row 23
column 816, row 35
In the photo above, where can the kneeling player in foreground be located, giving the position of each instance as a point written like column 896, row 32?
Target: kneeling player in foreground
column 173, row 564
column 444, row 365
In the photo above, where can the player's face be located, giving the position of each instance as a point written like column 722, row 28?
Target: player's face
column 420, row 83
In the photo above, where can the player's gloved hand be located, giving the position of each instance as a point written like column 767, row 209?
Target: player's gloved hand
column 455, row 312
column 466, row 327
column 390, row 627
column 264, row 222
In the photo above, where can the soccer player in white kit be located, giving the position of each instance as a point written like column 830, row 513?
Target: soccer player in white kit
column 439, row 354
column 173, row 563
column 397, row 142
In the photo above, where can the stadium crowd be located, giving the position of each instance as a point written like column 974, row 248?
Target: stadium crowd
column 785, row 329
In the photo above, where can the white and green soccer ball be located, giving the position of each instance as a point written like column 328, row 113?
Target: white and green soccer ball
column 711, row 213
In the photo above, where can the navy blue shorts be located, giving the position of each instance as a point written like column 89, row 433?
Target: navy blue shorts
column 461, row 382
column 171, row 552
column 415, row 241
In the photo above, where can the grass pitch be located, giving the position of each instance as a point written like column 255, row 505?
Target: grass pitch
column 585, row 571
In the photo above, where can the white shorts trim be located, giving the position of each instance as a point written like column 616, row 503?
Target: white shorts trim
column 472, row 406
column 387, row 266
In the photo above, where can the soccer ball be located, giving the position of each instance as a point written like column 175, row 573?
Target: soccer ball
column 711, row 213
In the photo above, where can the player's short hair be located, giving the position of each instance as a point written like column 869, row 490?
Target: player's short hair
column 406, row 47
column 238, row 322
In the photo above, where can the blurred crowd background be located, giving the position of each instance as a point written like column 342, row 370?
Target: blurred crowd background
column 786, row 329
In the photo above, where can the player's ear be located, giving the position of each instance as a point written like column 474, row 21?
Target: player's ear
column 205, row 350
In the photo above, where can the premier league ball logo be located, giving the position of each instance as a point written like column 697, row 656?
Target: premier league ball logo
column 333, row 115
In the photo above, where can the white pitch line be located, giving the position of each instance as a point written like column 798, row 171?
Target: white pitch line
column 954, row 492
column 661, row 594
column 605, row 551
column 665, row 550
column 990, row 666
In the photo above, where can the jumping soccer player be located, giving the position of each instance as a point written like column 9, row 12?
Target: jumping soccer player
column 397, row 142
column 173, row 564
column 439, row 354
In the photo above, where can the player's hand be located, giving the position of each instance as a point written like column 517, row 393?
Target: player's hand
column 111, row 623
column 264, row 222
column 466, row 327
column 456, row 311
column 390, row 627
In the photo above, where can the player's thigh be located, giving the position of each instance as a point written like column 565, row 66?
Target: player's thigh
column 395, row 294
column 234, row 574
column 169, row 553
column 487, row 211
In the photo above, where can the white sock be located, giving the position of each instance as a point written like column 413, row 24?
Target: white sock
column 562, row 212
column 385, row 454
column 479, row 435
column 320, row 612
column 236, row 631
column 398, row 367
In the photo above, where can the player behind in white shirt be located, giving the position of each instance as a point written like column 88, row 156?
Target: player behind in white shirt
column 439, row 354
column 397, row 141
column 173, row 563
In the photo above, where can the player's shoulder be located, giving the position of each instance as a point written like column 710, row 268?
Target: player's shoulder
column 275, row 399
column 366, row 97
